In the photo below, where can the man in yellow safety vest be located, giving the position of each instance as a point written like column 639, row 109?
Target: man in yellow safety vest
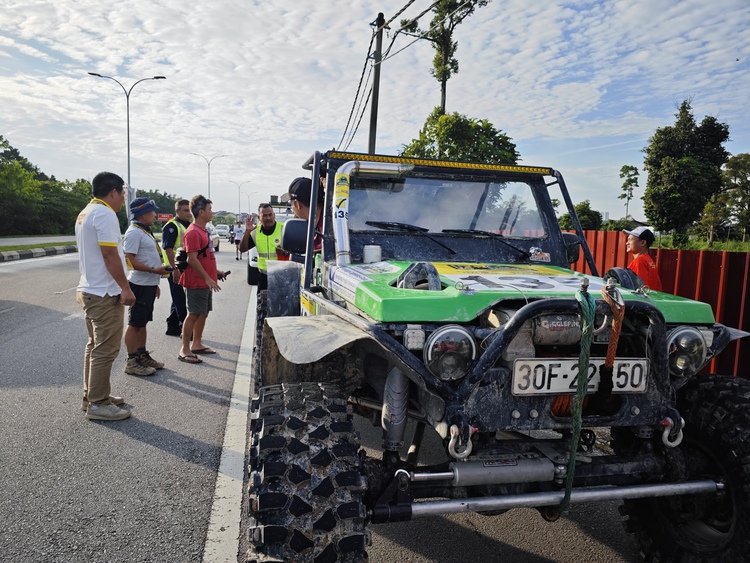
column 266, row 238
column 171, row 240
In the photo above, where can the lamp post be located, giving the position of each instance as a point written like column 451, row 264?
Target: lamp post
column 247, row 195
column 208, row 162
column 131, row 191
column 239, row 206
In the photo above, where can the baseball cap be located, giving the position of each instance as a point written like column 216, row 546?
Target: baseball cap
column 141, row 205
column 300, row 189
column 643, row 233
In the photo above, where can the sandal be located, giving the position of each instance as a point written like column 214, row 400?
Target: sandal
column 205, row 350
column 190, row 359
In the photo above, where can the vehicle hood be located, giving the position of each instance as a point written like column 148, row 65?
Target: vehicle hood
column 470, row 288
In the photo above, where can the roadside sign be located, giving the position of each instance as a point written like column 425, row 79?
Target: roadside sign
column 164, row 216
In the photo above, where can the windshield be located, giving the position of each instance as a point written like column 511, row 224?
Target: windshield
column 504, row 208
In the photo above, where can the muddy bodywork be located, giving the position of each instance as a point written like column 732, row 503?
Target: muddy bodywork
column 443, row 294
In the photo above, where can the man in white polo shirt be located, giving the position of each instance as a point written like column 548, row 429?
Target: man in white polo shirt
column 102, row 292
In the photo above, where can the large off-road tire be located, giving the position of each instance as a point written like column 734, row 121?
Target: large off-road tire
column 260, row 318
column 283, row 289
column 306, row 482
column 697, row 528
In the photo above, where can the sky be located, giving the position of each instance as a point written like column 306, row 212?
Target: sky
column 579, row 86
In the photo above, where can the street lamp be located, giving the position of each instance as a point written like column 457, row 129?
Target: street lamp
column 208, row 162
column 131, row 191
column 239, row 206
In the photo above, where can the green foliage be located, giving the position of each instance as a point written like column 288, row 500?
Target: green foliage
column 448, row 14
column 683, row 162
column 736, row 180
column 630, row 174
column 457, row 137
column 716, row 214
column 21, row 199
column 626, row 223
column 590, row 219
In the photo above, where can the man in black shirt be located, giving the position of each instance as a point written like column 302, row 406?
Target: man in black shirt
column 171, row 240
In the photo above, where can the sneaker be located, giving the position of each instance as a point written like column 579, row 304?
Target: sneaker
column 173, row 331
column 107, row 411
column 134, row 368
column 113, row 400
column 145, row 359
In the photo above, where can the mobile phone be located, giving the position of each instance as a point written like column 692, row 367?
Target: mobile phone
column 222, row 278
column 169, row 268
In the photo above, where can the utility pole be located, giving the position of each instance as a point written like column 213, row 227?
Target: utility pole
column 379, row 23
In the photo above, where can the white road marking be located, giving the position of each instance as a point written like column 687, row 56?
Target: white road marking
column 223, row 538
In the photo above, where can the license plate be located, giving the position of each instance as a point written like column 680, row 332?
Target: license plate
column 553, row 376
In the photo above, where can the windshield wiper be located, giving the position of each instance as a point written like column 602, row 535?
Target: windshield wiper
column 488, row 234
column 391, row 226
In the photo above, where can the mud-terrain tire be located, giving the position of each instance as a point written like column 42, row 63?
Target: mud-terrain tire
column 306, row 482
column 697, row 528
column 283, row 289
column 261, row 312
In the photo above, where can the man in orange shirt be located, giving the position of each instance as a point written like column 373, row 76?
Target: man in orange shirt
column 639, row 241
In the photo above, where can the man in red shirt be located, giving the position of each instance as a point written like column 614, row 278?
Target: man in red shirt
column 639, row 241
column 200, row 280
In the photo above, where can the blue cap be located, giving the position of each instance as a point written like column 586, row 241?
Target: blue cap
column 141, row 205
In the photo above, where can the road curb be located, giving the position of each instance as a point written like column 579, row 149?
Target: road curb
column 11, row 255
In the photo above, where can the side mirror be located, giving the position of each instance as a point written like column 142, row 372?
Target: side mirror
column 572, row 247
column 294, row 236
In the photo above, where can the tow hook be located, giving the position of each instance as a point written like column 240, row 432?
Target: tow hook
column 666, row 438
column 455, row 437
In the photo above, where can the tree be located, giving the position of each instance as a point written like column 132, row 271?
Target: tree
column 736, row 178
column 630, row 174
column 683, row 162
column 448, row 14
column 457, row 137
column 62, row 202
column 716, row 214
column 590, row 219
column 21, row 200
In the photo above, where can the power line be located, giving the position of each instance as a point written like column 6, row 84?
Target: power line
column 424, row 34
column 360, row 120
column 401, row 11
column 356, row 96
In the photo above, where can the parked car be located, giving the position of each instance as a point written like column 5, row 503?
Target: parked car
column 214, row 236
column 223, row 231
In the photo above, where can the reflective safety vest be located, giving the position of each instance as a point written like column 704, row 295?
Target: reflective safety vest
column 178, row 241
column 266, row 245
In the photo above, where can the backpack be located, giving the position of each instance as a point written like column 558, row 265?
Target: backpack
column 180, row 258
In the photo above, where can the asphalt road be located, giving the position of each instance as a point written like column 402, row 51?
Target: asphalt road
column 136, row 490
column 143, row 489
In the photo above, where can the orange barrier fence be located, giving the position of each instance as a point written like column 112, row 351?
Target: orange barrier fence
column 721, row 279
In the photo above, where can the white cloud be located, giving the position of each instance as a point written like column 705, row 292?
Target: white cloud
column 579, row 85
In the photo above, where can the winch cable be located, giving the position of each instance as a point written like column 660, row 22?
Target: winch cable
column 588, row 315
column 613, row 298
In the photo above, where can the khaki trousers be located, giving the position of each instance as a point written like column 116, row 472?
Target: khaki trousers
column 104, row 320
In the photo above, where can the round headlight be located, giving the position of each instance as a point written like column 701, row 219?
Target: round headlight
column 449, row 352
column 687, row 351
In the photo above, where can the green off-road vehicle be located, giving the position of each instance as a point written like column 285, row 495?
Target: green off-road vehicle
column 443, row 295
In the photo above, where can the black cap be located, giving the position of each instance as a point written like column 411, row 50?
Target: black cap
column 300, row 189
